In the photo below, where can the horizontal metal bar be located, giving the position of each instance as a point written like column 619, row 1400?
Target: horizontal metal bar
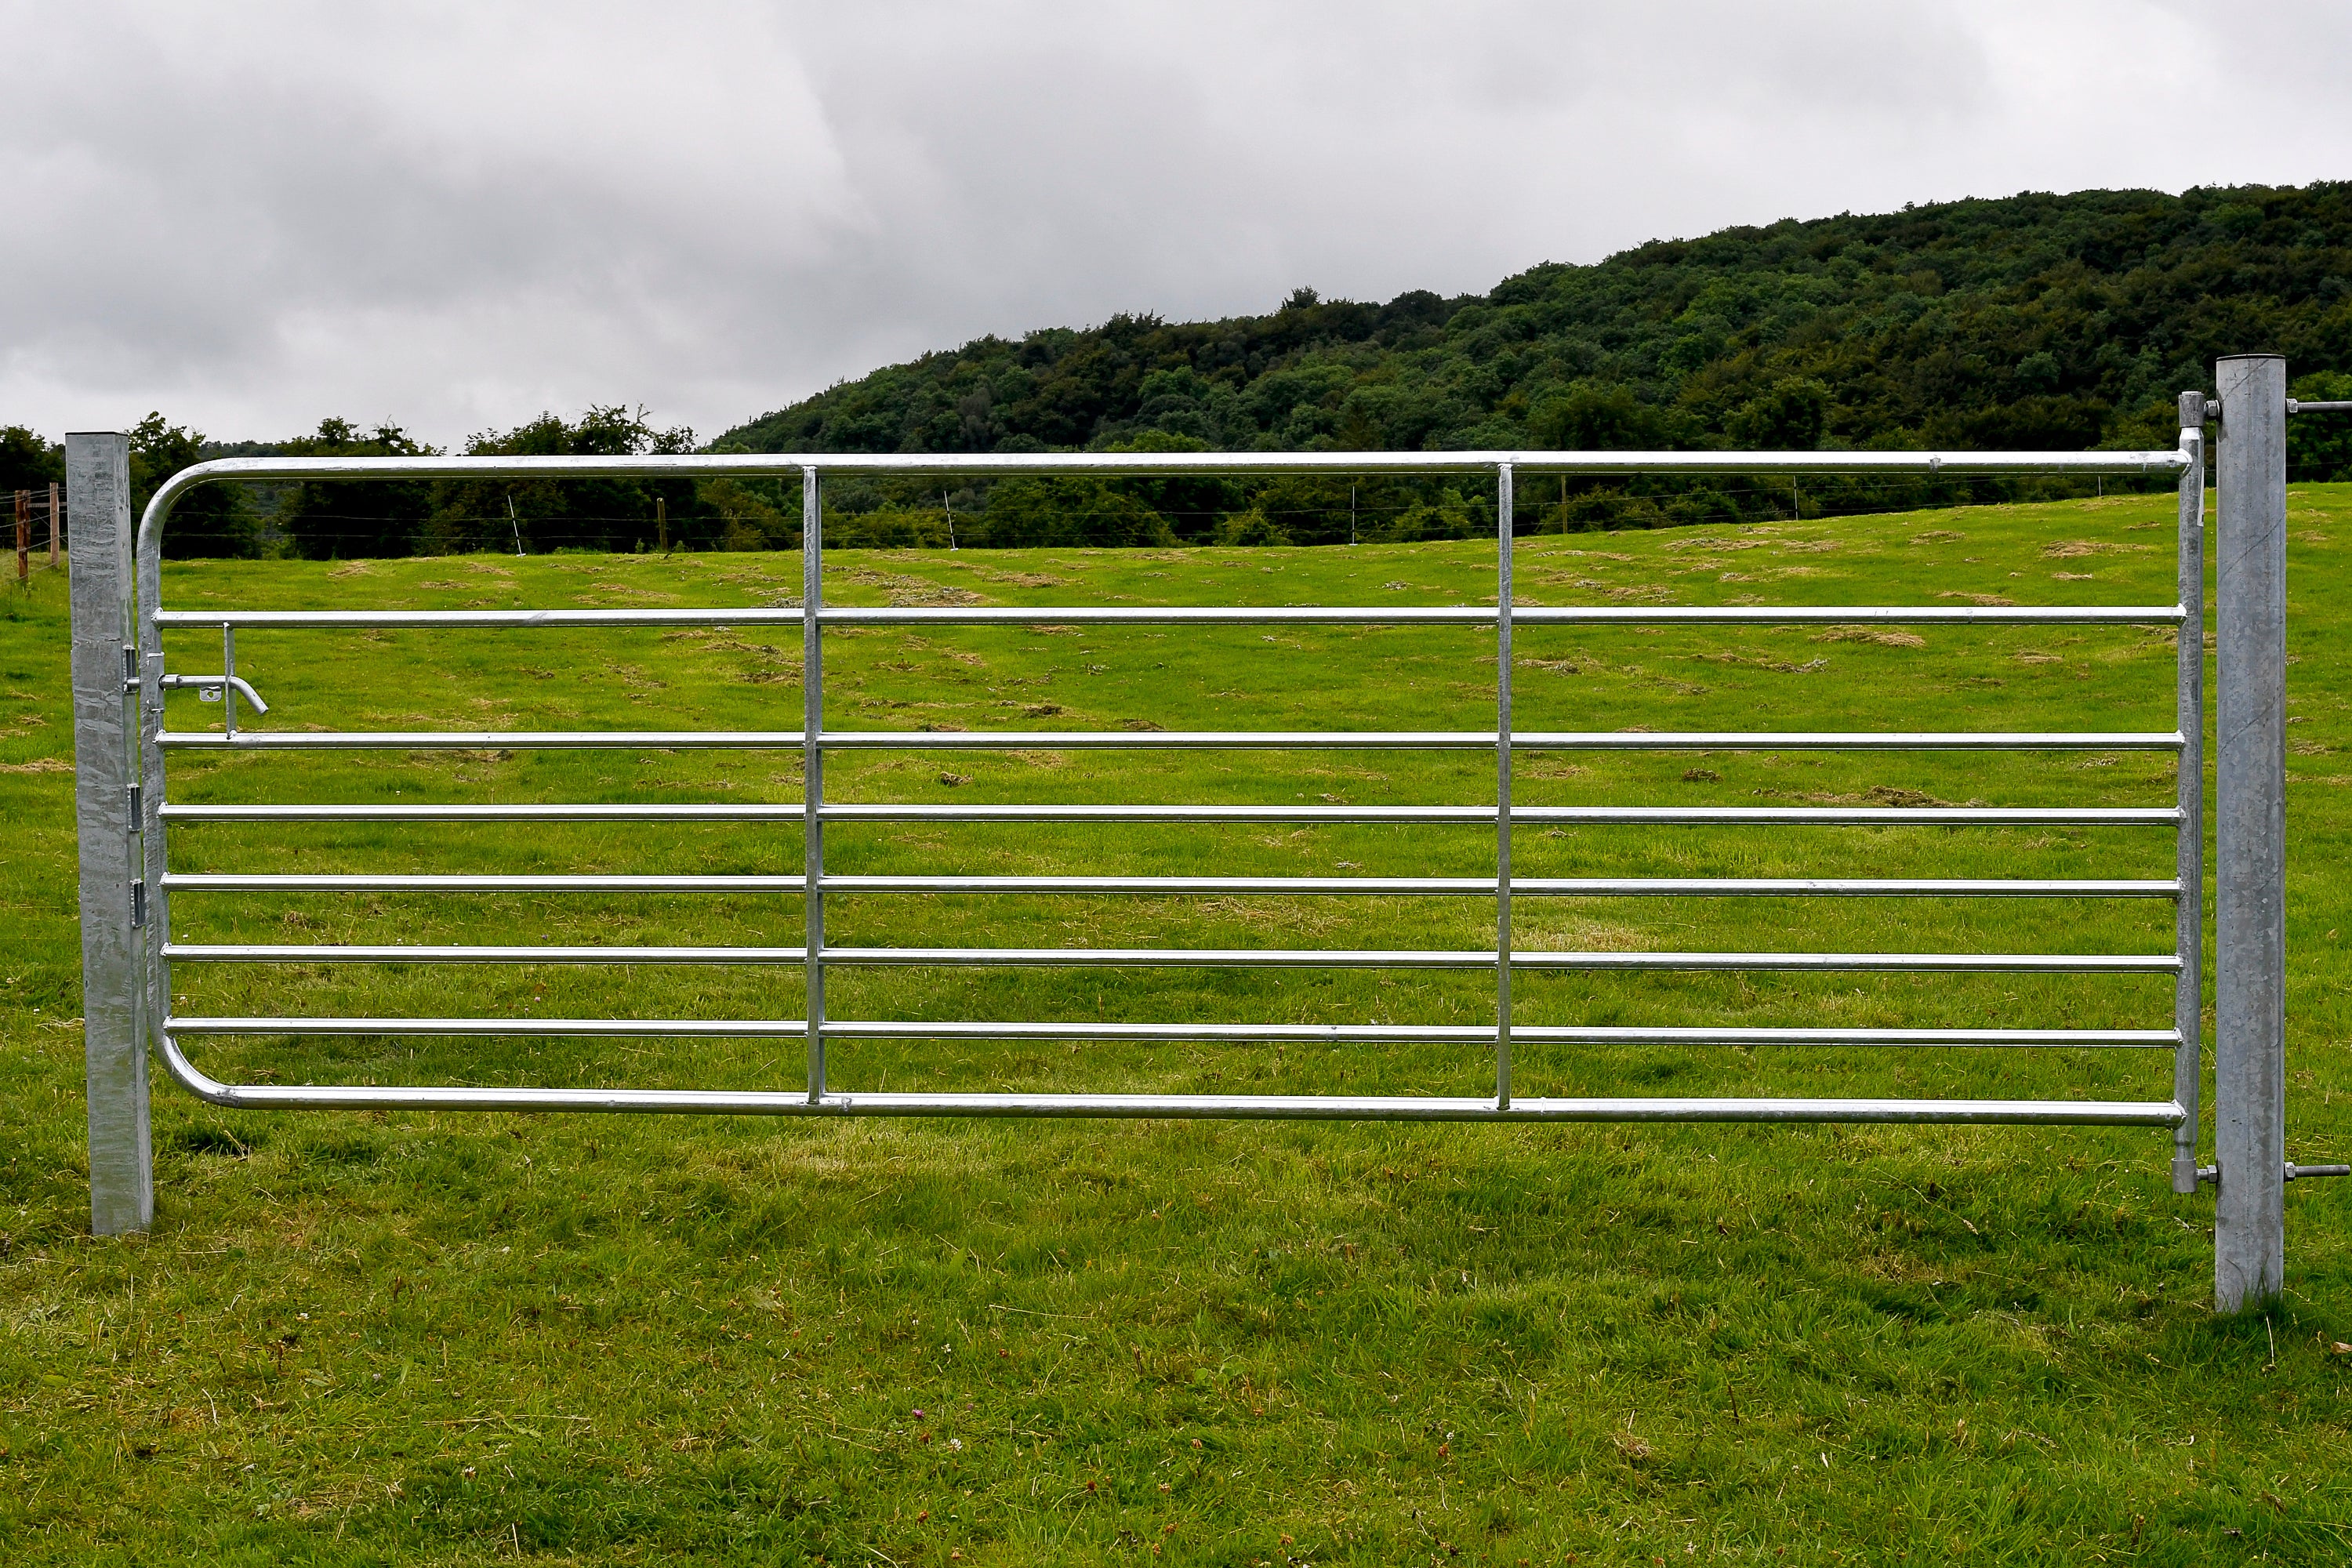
column 215, row 881
column 2300, row 405
column 1478, row 740
column 1538, row 887
column 1484, row 615
column 1398, row 1033
column 1840, row 741
column 1401, row 887
column 1864, row 963
column 1309, row 1033
column 1201, row 615
column 1850, row 615
column 1174, row 739
column 1180, row 957
column 429, row 952
column 714, row 615
column 1850, row 815
column 479, row 739
column 782, row 810
column 796, row 1102
column 791, row 810
column 792, row 465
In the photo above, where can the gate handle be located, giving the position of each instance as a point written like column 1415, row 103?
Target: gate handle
column 213, row 683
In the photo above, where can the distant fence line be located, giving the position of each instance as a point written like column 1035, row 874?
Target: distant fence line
column 51, row 511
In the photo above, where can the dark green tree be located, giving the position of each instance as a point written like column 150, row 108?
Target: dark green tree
column 546, row 514
column 28, row 463
column 1789, row 417
column 343, row 518
column 1252, row 527
column 1191, row 504
column 2319, row 446
column 1331, row 509
column 1082, row 511
column 212, row 519
column 1598, row 416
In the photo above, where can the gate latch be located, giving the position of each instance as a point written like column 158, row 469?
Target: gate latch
column 208, row 688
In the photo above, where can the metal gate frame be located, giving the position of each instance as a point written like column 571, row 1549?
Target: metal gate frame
column 127, row 883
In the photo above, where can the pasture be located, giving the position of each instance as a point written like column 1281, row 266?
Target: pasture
column 455, row 1339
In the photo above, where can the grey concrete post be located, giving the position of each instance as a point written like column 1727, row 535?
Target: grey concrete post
column 2249, row 838
column 121, row 1160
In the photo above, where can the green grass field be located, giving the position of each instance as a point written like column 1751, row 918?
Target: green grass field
column 453, row 1338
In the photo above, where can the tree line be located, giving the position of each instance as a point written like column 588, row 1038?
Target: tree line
column 380, row 518
column 2034, row 323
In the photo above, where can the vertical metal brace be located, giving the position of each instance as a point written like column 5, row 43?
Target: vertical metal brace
column 154, row 838
column 228, row 681
column 2189, row 841
column 812, row 769
column 121, row 1159
column 2249, row 838
column 1503, row 787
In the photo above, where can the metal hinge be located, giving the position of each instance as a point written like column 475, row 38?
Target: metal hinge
column 130, row 668
column 2293, row 1173
column 138, row 904
column 138, row 818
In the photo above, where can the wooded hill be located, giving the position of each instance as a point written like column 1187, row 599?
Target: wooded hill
column 2044, row 322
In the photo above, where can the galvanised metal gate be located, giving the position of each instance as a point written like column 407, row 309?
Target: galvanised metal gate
column 129, row 883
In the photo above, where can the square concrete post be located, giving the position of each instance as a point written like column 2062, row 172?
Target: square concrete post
column 121, row 1159
column 2249, row 838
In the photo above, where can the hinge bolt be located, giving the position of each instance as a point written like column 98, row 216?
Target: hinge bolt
column 2293, row 1173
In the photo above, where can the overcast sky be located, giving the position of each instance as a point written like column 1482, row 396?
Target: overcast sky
column 455, row 215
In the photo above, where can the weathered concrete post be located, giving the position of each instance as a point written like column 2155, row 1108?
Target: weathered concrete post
column 121, row 1161
column 2249, row 838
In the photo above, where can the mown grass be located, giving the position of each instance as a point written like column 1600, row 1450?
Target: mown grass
column 452, row 1338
